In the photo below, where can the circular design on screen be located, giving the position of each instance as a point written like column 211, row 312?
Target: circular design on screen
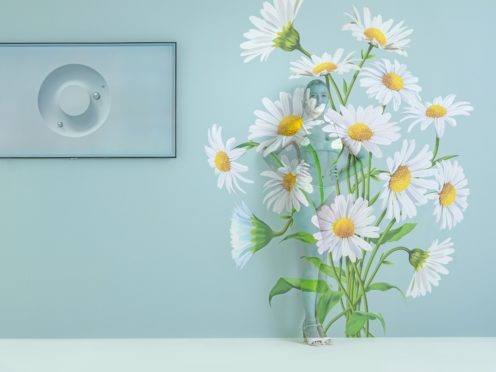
column 74, row 100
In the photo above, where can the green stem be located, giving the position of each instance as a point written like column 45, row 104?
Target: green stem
column 381, row 261
column 362, row 173
column 337, row 158
column 342, row 313
column 333, row 320
column 340, row 278
column 434, row 152
column 369, row 166
column 364, row 295
column 331, row 101
column 348, row 180
column 379, row 243
column 357, row 182
column 276, row 162
column 284, row 229
column 276, row 159
column 305, row 52
column 339, row 281
column 381, row 217
column 338, row 188
column 319, row 172
column 349, row 285
column 340, row 97
column 347, row 95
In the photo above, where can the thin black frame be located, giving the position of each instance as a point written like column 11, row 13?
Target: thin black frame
column 172, row 43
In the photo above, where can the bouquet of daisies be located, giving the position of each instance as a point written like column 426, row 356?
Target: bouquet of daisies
column 359, row 230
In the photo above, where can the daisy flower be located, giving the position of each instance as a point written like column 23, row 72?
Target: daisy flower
column 451, row 194
column 343, row 226
column 321, row 66
column 390, row 81
column 223, row 159
column 428, row 265
column 367, row 127
column 248, row 234
column 440, row 111
column 380, row 34
column 286, row 187
column 286, row 120
column 405, row 182
column 274, row 30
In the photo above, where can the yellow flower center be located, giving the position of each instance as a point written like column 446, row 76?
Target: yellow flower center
column 373, row 33
column 447, row 195
column 393, row 81
column 222, row 162
column 289, row 181
column 324, row 67
column 343, row 227
column 436, row 111
column 400, row 180
column 290, row 125
column 360, row 132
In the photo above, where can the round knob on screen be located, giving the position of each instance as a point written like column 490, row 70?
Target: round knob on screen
column 74, row 100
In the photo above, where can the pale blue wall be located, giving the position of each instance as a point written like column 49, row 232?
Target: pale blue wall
column 140, row 248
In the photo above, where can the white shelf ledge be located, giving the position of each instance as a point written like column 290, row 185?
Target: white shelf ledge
column 238, row 355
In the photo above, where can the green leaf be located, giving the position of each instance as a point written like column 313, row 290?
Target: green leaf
column 375, row 172
column 396, row 234
column 345, row 87
column 447, row 157
column 247, row 145
column 384, row 287
column 284, row 285
column 358, row 319
column 374, row 199
column 302, row 236
column 370, row 56
column 324, row 268
column 387, row 263
column 325, row 304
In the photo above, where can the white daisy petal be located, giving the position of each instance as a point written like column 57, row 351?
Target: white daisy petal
column 450, row 199
column 274, row 30
column 288, row 120
column 222, row 158
column 350, row 224
column 440, row 112
column 428, row 265
column 405, row 183
column 386, row 80
column 248, row 234
column 380, row 34
column 286, row 187
column 367, row 127
column 316, row 66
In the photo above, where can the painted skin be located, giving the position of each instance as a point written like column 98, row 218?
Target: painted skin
column 327, row 152
column 312, row 329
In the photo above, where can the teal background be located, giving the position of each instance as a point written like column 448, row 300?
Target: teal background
column 140, row 248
